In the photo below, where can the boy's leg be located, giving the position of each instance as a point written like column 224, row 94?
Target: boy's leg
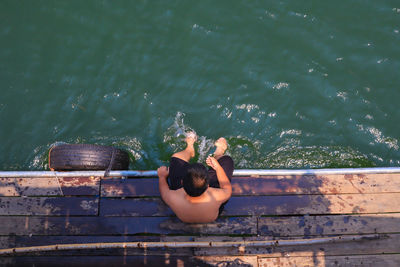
column 188, row 152
column 225, row 161
column 179, row 163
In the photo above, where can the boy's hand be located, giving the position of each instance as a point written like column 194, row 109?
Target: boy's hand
column 213, row 163
column 163, row 172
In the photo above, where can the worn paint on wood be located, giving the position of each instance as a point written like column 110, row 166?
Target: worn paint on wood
column 388, row 245
column 43, row 225
column 270, row 185
column 265, row 205
column 313, row 204
column 320, row 184
column 304, row 226
column 117, row 187
column 245, row 261
column 134, row 207
column 52, row 186
column 224, row 225
column 319, row 259
column 53, row 206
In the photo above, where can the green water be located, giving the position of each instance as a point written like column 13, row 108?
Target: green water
column 291, row 84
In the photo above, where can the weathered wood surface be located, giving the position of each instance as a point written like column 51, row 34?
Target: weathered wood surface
column 106, row 261
column 308, row 226
column 44, row 225
column 49, row 206
column 275, row 227
column 318, row 259
column 41, row 211
column 388, row 245
column 244, row 261
column 270, row 185
column 313, row 204
column 134, row 207
column 63, row 186
column 266, row 205
column 133, row 187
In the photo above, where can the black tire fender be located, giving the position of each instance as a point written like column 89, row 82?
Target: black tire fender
column 80, row 157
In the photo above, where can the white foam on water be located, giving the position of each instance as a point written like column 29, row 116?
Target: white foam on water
column 280, row 85
column 176, row 133
column 248, row 107
column 205, row 147
column 379, row 138
column 290, row 132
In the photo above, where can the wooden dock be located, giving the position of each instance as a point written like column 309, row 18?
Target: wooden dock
column 45, row 211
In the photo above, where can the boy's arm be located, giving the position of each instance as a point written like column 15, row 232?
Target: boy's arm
column 162, row 183
column 224, row 183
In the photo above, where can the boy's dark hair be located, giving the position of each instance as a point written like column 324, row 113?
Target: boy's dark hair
column 196, row 180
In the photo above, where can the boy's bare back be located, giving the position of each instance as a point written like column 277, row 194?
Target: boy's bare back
column 201, row 208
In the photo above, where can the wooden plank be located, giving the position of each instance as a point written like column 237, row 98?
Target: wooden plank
column 313, row 204
column 106, row 261
column 318, row 259
column 49, row 205
column 245, row 261
column 84, row 186
column 306, row 226
column 266, row 205
column 134, row 207
column 223, row 225
column 52, row 186
column 389, row 245
column 41, row 225
column 321, row 184
column 117, row 187
column 5, row 241
column 270, row 185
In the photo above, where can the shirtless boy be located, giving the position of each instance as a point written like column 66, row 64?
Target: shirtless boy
column 194, row 193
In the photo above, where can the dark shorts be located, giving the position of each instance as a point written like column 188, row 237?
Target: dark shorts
column 178, row 170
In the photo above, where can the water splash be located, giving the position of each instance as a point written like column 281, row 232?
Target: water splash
column 175, row 135
column 40, row 156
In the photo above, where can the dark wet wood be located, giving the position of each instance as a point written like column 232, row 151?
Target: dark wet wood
column 133, row 187
column 63, row 186
column 53, row 206
column 106, row 261
column 43, row 225
column 390, row 244
column 266, row 205
column 134, row 207
column 270, row 185
column 313, row 204
column 308, row 226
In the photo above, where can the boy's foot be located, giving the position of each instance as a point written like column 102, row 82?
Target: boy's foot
column 190, row 139
column 222, row 146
